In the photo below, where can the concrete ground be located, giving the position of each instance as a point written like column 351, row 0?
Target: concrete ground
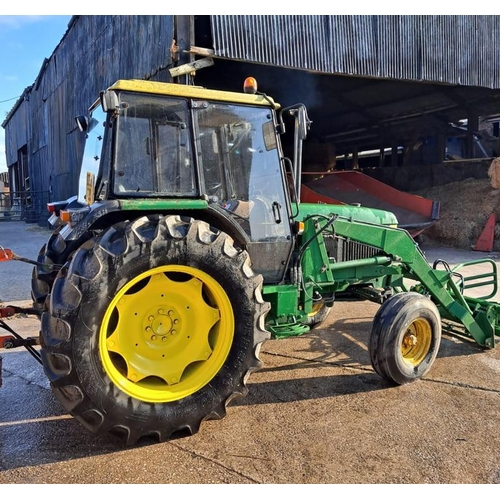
column 25, row 240
column 316, row 414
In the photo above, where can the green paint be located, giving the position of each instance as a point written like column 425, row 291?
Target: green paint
column 163, row 204
column 399, row 259
column 478, row 317
column 361, row 214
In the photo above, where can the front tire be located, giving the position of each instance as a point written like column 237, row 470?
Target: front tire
column 153, row 328
column 405, row 337
column 318, row 315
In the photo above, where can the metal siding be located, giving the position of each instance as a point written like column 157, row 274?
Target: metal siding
column 98, row 50
column 16, row 133
column 94, row 53
column 441, row 49
column 252, row 38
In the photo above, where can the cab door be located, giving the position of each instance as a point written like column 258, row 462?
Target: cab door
column 240, row 169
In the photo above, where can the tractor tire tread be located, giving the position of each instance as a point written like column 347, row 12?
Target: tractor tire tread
column 93, row 399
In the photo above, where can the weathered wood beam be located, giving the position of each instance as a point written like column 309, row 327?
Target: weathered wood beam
column 190, row 67
column 201, row 51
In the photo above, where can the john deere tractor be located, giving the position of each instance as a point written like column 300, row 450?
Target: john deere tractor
column 187, row 247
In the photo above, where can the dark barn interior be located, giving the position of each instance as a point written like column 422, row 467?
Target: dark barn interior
column 363, row 114
column 368, row 121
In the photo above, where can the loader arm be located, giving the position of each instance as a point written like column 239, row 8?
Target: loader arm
column 479, row 317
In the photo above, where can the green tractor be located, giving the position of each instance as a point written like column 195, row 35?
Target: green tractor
column 187, row 247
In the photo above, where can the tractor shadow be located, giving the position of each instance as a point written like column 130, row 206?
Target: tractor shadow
column 328, row 362
column 339, row 352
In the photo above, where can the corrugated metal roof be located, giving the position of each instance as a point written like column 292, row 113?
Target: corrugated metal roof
column 461, row 50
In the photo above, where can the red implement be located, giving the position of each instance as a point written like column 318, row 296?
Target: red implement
column 6, row 254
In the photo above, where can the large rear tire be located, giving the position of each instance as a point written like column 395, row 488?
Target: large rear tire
column 405, row 337
column 153, row 327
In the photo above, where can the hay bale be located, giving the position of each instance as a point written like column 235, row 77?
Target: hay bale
column 494, row 173
column 464, row 210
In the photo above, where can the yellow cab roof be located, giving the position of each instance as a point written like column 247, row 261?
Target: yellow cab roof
column 191, row 91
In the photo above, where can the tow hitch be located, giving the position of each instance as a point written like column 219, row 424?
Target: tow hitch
column 7, row 254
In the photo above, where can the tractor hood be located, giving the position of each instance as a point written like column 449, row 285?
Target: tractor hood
column 354, row 212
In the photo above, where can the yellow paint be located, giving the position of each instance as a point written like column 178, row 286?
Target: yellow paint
column 416, row 341
column 191, row 92
column 170, row 337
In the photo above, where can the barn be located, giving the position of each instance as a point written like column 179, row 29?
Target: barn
column 408, row 100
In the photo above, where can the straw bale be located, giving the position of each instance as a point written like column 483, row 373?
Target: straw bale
column 464, row 210
column 494, row 173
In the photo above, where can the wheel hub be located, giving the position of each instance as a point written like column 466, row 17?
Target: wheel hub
column 162, row 323
column 416, row 342
column 409, row 341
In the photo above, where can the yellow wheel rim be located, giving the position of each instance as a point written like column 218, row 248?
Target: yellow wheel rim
column 417, row 342
column 166, row 333
column 315, row 309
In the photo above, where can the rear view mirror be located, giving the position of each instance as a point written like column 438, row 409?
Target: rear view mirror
column 303, row 122
column 109, row 100
column 85, row 124
column 82, row 123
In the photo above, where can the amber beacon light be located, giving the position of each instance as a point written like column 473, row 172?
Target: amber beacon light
column 250, row 85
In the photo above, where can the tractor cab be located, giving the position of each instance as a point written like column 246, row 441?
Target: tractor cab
column 155, row 141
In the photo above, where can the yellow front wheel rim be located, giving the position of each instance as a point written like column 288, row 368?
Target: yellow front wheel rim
column 166, row 333
column 316, row 308
column 417, row 341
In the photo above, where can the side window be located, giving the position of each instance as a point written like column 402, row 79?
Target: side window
column 212, row 163
column 134, row 168
column 174, row 157
column 153, row 149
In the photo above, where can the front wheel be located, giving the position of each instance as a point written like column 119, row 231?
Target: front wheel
column 318, row 315
column 405, row 337
column 153, row 327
